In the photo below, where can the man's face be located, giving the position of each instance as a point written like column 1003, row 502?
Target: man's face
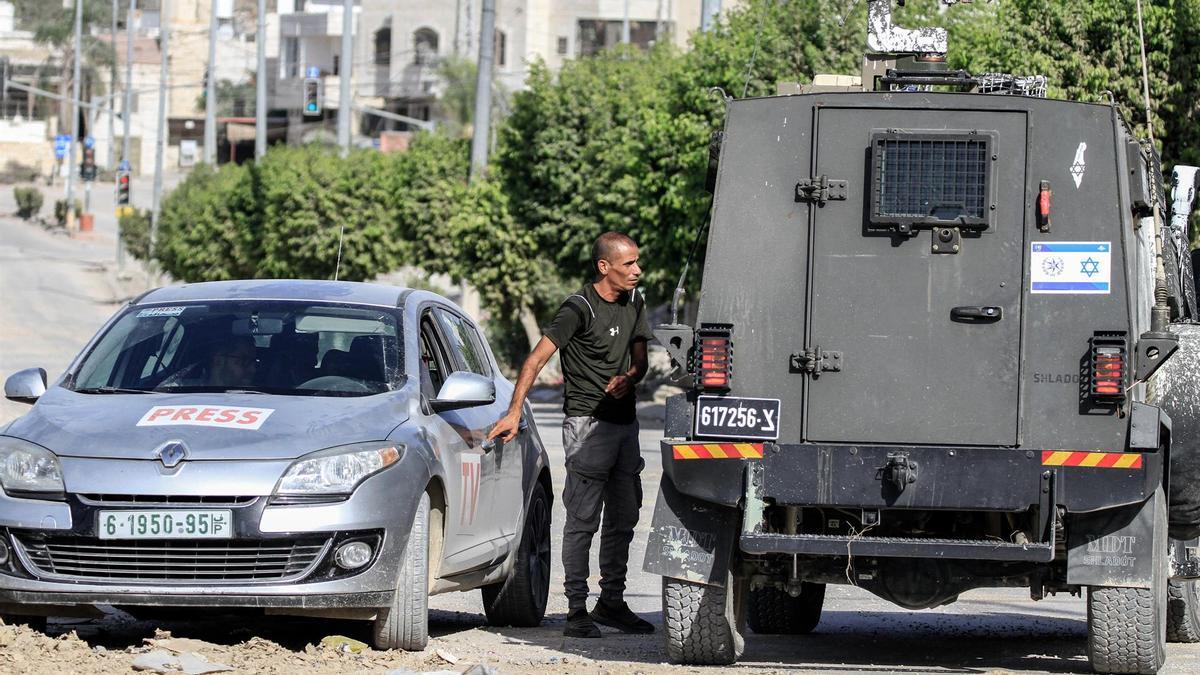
column 232, row 365
column 621, row 268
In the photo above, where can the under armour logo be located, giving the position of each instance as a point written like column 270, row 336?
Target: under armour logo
column 614, row 330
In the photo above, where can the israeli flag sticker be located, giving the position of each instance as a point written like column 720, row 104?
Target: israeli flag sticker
column 1071, row 267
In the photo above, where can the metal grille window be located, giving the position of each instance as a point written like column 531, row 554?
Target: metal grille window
column 930, row 178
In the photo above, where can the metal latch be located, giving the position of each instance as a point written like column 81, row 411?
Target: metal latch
column 814, row 361
column 820, row 190
column 899, row 472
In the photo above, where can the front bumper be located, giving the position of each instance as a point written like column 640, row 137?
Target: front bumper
column 57, row 559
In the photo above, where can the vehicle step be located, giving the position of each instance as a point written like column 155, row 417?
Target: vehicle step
column 895, row 547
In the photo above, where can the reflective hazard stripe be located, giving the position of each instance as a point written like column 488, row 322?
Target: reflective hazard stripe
column 719, row 451
column 1097, row 460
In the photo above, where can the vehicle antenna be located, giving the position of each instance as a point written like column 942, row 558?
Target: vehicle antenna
column 338, row 267
column 754, row 51
column 1160, row 315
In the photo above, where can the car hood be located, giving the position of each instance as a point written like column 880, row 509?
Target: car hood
column 211, row 426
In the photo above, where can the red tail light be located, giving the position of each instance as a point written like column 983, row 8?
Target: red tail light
column 1109, row 360
column 1045, row 195
column 715, row 357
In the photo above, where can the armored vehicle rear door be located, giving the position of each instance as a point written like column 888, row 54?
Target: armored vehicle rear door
column 915, row 276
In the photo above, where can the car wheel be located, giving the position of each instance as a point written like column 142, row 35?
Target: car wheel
column 703, row 622
column 773, row 611
column 520, row 600
column 1183, row 611
column 405, row 624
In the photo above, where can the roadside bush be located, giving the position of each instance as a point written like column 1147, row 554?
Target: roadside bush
column 60, row 211
column 135, row 233
column 210, row 226
column 29, row 201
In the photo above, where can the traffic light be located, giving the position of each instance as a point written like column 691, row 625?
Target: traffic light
column 122, row 188
column 312, row 96
column 87, row 169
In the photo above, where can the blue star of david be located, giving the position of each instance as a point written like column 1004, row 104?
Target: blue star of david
column 1091, row 267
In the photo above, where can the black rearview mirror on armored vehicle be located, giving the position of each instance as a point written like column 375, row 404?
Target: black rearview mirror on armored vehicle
column 944, row 378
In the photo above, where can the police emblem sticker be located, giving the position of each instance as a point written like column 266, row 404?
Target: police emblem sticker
column 1071, row 267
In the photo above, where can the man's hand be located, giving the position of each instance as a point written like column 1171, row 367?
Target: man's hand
column 619, row 386
column 506, row 428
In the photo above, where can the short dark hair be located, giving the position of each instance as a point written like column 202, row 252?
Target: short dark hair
column 606, row 244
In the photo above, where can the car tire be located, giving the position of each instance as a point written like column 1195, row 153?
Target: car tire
column 702, row 622
column 405, row 624
column 1183, row 611
column 773, row 611
column 520, row 600
column 1127, row 627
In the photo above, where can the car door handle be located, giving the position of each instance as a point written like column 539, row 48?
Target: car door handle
column 971, row 314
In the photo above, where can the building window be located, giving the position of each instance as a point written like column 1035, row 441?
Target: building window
column 596, row 35
column 337, row 63
column 383, row 46
column 501, row 46
column 425, row 46
column 562, row 45
column 291, row 57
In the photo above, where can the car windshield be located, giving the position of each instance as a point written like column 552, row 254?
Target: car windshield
column 293, row 348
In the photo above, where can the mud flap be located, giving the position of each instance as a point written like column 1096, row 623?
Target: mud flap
column 1116, row 547
column 690, row 539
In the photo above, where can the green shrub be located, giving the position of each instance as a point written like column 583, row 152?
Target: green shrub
column 29, row 201
column 60, row 211
column 135, row 233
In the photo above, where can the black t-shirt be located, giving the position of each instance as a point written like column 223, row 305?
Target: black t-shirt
column 594, row 338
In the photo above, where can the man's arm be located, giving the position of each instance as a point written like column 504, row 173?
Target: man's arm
column 621, row 384
column 508, row 425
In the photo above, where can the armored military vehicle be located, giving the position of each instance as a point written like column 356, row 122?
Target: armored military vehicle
column 931, row 310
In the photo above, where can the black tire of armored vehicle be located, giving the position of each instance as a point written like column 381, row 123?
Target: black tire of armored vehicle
column 1183, row 611
column 1127, row 627
column 773, row 611
column 703, row 622
column 520, row 600
column 405, row 624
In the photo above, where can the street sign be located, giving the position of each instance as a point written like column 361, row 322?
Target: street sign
column 61, row 143
column 89, row 142
column 312, row 71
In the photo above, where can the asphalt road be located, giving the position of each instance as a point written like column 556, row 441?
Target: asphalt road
column 55, row 292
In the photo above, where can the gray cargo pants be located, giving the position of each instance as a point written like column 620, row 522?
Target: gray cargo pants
column 604, row 467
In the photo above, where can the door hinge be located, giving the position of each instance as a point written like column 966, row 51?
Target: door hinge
column 815, row 361
column 820, row 190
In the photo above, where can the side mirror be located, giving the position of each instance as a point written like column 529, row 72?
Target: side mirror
column 25, row 386
column 464, row 390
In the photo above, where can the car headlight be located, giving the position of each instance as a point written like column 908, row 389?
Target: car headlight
column 337, row 471
column 29, row 470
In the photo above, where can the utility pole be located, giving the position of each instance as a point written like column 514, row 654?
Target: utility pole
column 260, row 84
column 625, row 25
column 128, row 107
column 210, row 92
column 483, row 90
column 345, row 71
column 112, row 107
column 74, row 107
column 160, row 142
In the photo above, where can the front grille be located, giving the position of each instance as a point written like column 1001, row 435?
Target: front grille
column 175, row 500
column 157, row 561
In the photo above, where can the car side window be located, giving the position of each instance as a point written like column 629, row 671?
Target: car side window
column 433, row 364
column 465, row 343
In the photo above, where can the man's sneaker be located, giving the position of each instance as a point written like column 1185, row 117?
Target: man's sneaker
column 580, row 625
column 619, row 616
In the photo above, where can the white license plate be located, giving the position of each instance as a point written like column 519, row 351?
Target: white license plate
column 165, row 524
column 737, row 418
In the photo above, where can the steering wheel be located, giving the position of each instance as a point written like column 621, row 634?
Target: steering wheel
column 336, row 383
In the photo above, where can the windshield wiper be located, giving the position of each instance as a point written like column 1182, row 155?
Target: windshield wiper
column 245, row 391
column 111, row 390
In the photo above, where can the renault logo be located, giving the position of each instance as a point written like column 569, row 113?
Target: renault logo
column 171, row 453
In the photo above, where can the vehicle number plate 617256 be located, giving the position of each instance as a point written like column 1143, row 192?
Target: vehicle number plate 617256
column 737, row 418
column 165, row 524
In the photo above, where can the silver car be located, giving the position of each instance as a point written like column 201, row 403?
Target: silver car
column 305, row 447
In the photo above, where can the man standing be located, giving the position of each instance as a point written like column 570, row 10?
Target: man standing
column 602, row 331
